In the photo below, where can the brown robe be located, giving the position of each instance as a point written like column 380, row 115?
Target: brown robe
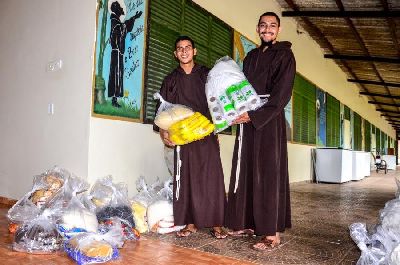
column 202, row 191
column 262, row 199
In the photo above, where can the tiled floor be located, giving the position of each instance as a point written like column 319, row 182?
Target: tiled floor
column 321, row 215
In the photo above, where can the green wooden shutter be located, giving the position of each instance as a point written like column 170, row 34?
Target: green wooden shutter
column 367, row 136
column 384, row 142
column 304, row 111
column 169, row 19
column 346, row 112
column 357, row 132
column 332, row 122
column 378, row 140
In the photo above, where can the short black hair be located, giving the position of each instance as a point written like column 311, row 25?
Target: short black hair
column 181, row 38
column 270, row 14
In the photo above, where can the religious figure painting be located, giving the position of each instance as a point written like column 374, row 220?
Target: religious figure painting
column 119, row 59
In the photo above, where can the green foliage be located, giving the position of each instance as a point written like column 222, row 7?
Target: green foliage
column 128, row 109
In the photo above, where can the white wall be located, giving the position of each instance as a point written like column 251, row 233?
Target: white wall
column 31, row 141
column 34, row 33
column 126, row 151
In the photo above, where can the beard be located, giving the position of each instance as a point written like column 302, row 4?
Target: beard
column 266, row 43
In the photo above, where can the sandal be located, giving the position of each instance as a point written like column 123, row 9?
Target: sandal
column 241, row 233
column 185, row 232
column 221, row 234
column 266, row 244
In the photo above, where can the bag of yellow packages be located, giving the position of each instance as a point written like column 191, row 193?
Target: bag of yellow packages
column 190, row 129
column 184, row 125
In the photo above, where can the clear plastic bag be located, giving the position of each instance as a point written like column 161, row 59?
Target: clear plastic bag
column 75, row 218
column 390, row 216
column 157, row 211
column 166, row 192
column 168, row 113
column 169, row 159
column 112, row 201
column 369, row 256
column 229, row 93
column 87, row 248
column 45, row 188
column 38, row 236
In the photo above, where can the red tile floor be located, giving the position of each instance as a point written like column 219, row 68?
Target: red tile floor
column 321, row 214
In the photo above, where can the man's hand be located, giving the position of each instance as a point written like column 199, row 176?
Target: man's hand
column 138, row 14
column 243, row 118
column 165, row 138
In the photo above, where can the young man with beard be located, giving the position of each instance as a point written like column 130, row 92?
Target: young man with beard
column 199, row 195
column 260, row 202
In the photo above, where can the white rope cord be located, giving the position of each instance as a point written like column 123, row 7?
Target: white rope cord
column 178, row 171
column 238, row 157
column 240, row 149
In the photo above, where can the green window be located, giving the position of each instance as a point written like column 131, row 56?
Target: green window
column 367, row 136
column 169, row 19
column 378, row 140
column 357, row 136
column 304, row 111
column 332, row 121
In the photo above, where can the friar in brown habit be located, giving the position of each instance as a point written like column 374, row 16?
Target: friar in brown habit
column 259, row 199
column 199, row 191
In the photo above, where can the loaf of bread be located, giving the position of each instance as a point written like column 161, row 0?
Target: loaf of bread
column 92, row 249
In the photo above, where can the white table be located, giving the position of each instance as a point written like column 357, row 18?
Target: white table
column 390, row 160
column 361, row 165
column 333, row 165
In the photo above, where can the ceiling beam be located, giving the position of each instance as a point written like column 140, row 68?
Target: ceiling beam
column 392, row 27
column 361, row 42
column 362, row 58
column 318, row 32
column 390, row 116
column 383, row 103
column 371, row 82
column 378, row 95
column 388, row 111
column 347, row 14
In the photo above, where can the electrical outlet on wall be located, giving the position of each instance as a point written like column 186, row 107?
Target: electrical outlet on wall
column 54, row 66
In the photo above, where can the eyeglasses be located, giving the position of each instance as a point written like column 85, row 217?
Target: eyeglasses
column 184, row 49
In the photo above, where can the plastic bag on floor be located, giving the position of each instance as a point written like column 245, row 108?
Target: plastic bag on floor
column 166, row 193
column 112, row 201
column 75, row 218
column 390, row 216
column 157, row 211
column 45, row 187
column 369, row 255
column 38, row 236
column 87, row 248
column 147, row 194
column 169, row 159
column 229, row 94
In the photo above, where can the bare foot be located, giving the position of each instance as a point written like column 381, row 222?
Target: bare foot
column 218, row 232
column 268, row 242
column 187, row 231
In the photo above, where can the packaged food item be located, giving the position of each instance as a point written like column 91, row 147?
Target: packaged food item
column 191, row 129
column 168, row 113
column 229, row 93
column 87, row 248
column 45, row 188
column 38, row 236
